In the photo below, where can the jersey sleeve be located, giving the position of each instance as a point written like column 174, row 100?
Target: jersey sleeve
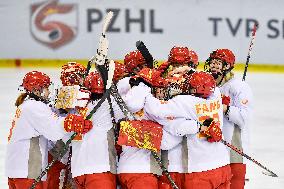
column 169, row 141
column 135, row 97
column 173, row 117
column 45, row 121
column 161, row 109
column 241, row 110
column 180, row 126
column 123, row 86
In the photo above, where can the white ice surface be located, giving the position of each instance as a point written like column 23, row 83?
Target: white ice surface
column 267, row 136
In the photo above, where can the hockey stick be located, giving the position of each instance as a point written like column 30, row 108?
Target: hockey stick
column 145, row 53
column 250, row 49
column 128, row 114
column 240, row 152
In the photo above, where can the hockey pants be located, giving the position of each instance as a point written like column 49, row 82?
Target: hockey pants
column 96, row 181
column 164, row 182
column 24, row 183
column 239, row 172
column 53, row 175
column 138, row 181
column 213, row 179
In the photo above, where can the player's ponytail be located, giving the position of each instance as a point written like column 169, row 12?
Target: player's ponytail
column 229, row 76
column 20, row 99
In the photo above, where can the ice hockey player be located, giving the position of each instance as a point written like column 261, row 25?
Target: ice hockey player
column 173, row 157
column 137, row 168
column 207, row 163
column 238, row 105
column 94, row 159
column 33, row 125
column 72, row 74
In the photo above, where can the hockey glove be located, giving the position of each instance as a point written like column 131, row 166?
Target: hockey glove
column 213, row 131
column 134, row 81
column 77, row 124
column 226, row 100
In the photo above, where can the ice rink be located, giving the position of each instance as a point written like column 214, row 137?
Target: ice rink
column 267, row 128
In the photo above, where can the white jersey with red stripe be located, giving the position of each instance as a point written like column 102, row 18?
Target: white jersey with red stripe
column 95, row 152
column 181, row 116
column 27, row 150
column 237, row 119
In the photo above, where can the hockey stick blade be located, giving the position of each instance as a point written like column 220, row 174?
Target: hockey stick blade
column 145, row 53
column 107, row 22
column 269, row 173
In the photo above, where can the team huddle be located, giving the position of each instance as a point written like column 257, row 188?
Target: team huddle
column 156, row 127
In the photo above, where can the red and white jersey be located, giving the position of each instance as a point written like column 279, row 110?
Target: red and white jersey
column 136, row 160
column 181, row 116
column 33, row 125
column 236, row 122
column 95, row 152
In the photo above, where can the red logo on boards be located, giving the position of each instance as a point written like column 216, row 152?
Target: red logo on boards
column 53, row 24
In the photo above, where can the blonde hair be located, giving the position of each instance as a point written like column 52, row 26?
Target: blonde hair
column 20, row 99
column 226, row 78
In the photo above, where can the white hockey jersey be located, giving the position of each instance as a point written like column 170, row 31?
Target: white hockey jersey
column 96, row 152
column 236, row 122
column 181, row 116
column 33, row 125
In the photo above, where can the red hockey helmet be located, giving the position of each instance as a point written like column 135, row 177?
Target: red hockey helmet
column 133, row 60
column 193, row 59
column 72, row 74
column 35, row 80
column 152, row 77
column 179, row 55
column 119, row 71
column 203, row 82
column 94, row 83
column 226, row 55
